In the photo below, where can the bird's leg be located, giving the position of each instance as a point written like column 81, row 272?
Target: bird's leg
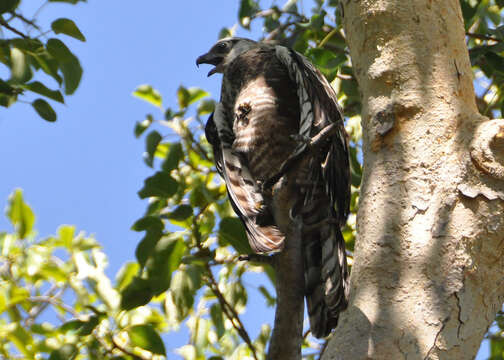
column 323, row 135
column 311, row 144
column 263, row 259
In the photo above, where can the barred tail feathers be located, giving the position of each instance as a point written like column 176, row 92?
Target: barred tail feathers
column 326, row 274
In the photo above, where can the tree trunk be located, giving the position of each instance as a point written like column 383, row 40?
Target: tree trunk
column 427, row 278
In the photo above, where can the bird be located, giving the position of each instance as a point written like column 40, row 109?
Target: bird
column 279, row 143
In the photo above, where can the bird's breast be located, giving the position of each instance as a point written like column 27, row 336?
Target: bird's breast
column 263, row 126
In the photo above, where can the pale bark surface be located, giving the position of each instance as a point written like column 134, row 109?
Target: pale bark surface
column 428, row 268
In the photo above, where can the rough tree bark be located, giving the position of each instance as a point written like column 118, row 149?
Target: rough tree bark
column 428, row 270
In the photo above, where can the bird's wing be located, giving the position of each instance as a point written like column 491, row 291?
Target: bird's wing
column 318, row 109
column 246, row 199
column 325, row 205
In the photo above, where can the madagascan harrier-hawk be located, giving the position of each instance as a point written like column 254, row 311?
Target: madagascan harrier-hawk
column 281, row 147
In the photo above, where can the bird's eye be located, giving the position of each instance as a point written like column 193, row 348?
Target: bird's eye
column 221, row 46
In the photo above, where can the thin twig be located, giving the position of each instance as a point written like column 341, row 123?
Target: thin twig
column 54, row 302
column 29, row 22
column 280, row 30
column 37, row 12
column 230, row 312
column 482, row 37
column 126, row 351
column 327, row 37
column 14, row 30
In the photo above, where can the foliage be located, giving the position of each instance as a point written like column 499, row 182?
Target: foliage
column 62, row 278
column 195, row 193
column 187, row 261
column 27, row 51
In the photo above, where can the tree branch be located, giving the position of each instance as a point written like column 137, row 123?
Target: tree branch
column 482, row 37
column 14, row 30
column 230, row 312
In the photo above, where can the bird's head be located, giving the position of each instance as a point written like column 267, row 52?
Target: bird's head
column 224, row 52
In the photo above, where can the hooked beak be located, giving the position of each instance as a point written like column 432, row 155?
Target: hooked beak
column 211, row 59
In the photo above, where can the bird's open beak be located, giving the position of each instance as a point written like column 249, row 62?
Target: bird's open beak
column 211, row 59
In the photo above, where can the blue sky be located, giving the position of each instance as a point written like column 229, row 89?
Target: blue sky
column 86, row 168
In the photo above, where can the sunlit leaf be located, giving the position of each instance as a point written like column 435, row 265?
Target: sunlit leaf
column 20, row 69
column 217, row 319
column 145, row 337
column 20, row 214
column 246, row 10
column 126, row 274
column 66, row 352
column 164, row 260
column 183, row 288
column 149, row 94
column 232, row 232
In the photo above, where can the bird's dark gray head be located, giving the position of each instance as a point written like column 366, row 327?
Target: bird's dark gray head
column 224, row 52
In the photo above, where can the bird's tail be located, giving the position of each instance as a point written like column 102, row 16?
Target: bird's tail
column 325, row 268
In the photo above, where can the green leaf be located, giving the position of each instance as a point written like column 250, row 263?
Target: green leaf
column 196, row 94
column 270, row 300
column 66, row 352
column 236, row 295
column 145, row 337
column 151, row 143
column 22, row 339
column 206, row 107
column 72, row 75
column 67, row 27
column 188, row 96
column 141, row 126
column 160, row 184
column 137, row 293
column 71, row 326
column 126, row 274
column 58, row 50
column 68, row 63
column 79, row 327
column 246, row 10
column 217, row 319
column 39, row 88
column 149, row 94
column 184, row 285
column 165, row 259
column 181, row 213
column 146, row 245
column 8, row 5
column 183, row 97
column 20, row 214
column 149, row 223
column 173, row 157
column 316, row 22
column 224, row 33
column 45, row 110
column 290, row 6
column 232, row 232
